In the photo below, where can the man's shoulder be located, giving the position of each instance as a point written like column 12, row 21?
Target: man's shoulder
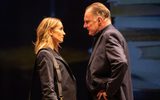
column 110, row 29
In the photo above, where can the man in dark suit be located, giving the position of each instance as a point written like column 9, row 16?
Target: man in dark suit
column 108, row 74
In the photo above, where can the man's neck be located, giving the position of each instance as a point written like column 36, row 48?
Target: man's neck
column 105, row 24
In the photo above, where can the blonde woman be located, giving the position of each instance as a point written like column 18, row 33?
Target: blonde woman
column 50, row 34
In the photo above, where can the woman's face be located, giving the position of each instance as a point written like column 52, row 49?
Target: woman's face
column 58, row 33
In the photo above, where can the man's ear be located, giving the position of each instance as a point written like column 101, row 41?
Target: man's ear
column 99, row 20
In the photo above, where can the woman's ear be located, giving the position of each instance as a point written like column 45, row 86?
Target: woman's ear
column 50, row 31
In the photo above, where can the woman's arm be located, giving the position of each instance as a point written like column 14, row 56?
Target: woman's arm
column 46, row 74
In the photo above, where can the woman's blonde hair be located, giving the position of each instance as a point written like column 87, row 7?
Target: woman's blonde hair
column 44, row 39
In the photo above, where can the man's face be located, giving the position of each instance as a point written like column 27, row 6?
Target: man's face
column 90, row 23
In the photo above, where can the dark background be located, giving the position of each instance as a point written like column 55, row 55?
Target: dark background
column 18, row 22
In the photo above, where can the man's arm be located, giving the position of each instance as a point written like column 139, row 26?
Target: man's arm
column 118, row 62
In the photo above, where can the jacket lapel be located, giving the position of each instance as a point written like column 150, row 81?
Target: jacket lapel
column 65, row 63
column 97, row 44
column 94, row 49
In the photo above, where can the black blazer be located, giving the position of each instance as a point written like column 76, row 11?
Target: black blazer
column 108, row 67
column 44, row 80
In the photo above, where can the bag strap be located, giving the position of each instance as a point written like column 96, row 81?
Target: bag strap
column 58, row 72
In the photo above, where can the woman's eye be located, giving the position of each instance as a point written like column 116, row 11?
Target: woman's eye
column 61, row 28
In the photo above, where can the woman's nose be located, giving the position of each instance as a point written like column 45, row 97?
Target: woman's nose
column 64, row 33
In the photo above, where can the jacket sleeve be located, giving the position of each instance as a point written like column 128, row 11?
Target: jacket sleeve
column 46, row 73
column 118, row 62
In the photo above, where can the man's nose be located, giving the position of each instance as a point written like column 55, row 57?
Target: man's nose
column 84, row 25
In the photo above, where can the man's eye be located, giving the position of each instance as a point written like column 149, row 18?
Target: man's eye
column 86, row 22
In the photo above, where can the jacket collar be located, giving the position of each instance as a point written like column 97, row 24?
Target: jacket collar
column 97, row 41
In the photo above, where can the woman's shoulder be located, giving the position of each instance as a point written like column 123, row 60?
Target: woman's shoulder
column 45, row 52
